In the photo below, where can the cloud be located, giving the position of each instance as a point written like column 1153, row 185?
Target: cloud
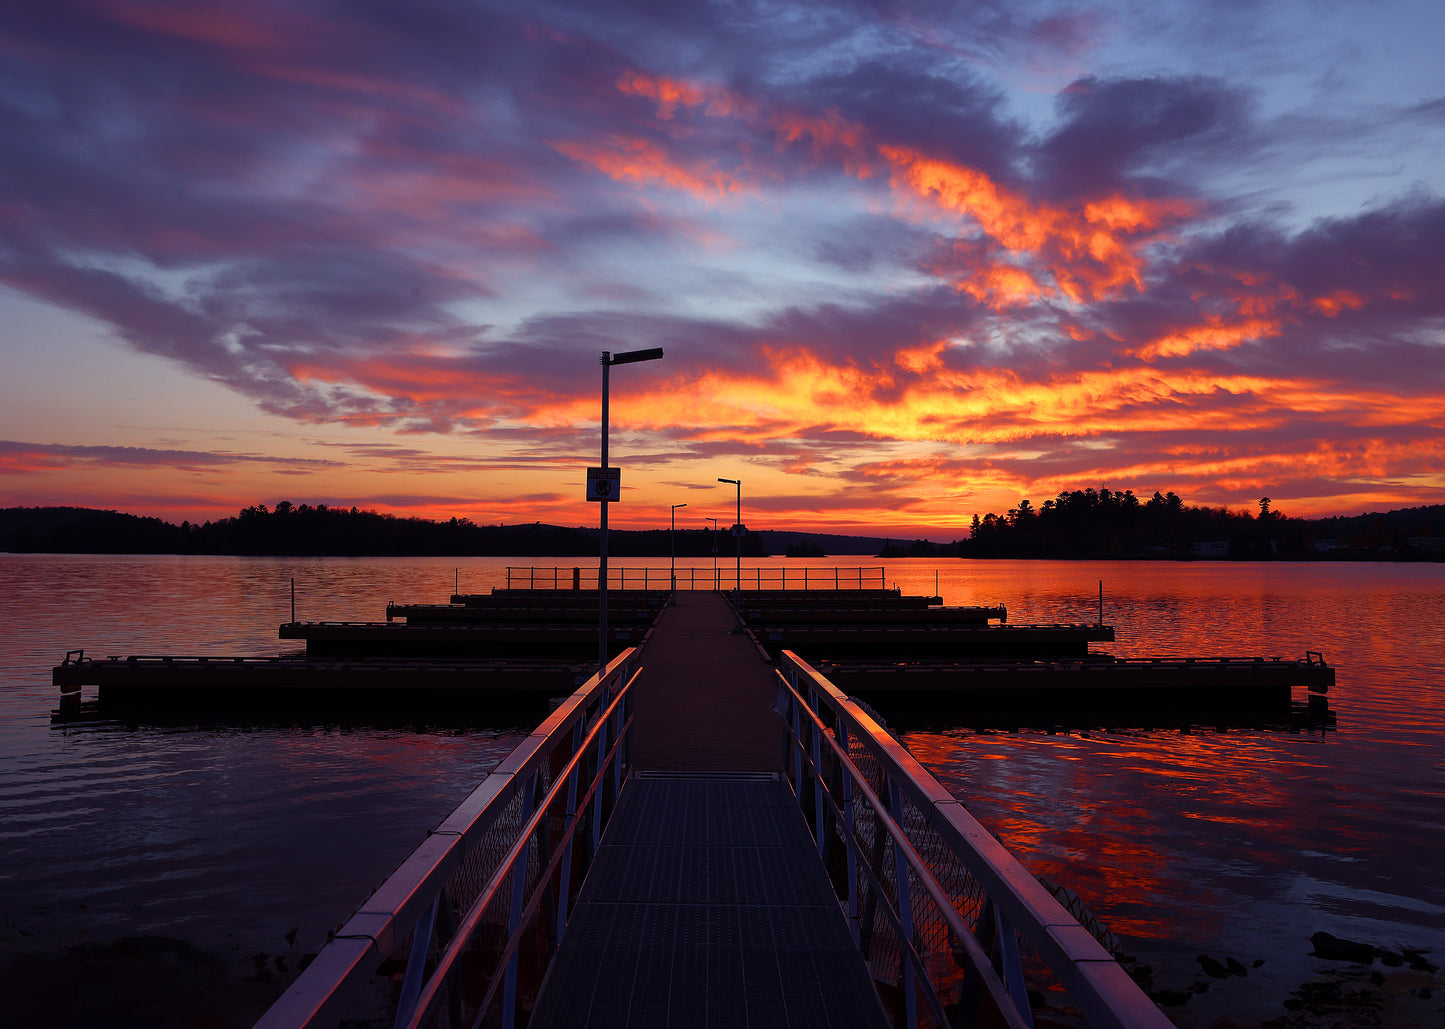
column 1119, row 131
column 26, row 457
column 430, row 219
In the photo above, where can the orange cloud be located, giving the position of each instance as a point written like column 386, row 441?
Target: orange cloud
column 637, row 160
column 1215, row 334
column 31, row 461
column 1001, row 286
column 1091, row 252
column 1343, row 300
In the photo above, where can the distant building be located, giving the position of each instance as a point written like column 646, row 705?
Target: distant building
column 1211, row 548
column 1428, row 544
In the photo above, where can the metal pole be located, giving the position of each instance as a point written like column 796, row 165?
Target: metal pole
column 672, row 542
column 737, row 534
column 607, row 361
column 293, row 598
column 714, row 552
column 602, row 556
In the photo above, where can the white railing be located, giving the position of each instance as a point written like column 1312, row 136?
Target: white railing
column 495, row 881
column 577, row 577
column 941, row 911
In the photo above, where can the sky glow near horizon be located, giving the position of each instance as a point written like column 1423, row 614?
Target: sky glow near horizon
column 909, row 261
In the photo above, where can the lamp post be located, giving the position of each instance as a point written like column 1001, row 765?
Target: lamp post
column 714, row 553
column 672, row 542
column 607, row 361
column 738, row 534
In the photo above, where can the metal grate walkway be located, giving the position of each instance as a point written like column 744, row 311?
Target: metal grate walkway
column 707, row 906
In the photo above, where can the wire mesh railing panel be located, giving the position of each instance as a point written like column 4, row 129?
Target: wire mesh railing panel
column 476, row 912
column 951, row 927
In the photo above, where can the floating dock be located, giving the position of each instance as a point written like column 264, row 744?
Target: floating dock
column 452, row 640
column 227, row 680
column 1096, row 681
column 875, row 642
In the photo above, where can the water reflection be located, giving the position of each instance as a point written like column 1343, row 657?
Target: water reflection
column 1187, row 833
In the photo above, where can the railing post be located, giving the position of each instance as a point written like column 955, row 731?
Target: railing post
column 416, row 961
column 817, row 754
column 905, row 910
column 850, row 846
column 601, row 766
column 1013, row 970
column 797, row 752
column 564, row 890
column 519, row 896
column 621, row 717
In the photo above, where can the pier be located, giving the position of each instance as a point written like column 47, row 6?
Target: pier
column 698, row 836
column 874, row 641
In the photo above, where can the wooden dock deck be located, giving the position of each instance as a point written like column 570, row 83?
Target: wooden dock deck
column 707, row 904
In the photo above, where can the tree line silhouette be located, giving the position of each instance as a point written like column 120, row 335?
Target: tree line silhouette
column 1089, row 523
column 305, row 530
column 1104, row 523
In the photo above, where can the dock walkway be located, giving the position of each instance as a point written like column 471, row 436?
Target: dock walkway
column 707, row 904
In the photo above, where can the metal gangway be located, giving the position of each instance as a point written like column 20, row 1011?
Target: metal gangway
column 951, row 928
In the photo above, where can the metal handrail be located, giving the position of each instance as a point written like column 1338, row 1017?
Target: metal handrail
column 695, row 578
column 431, row 995
column 962, row 936
column 443, row 873
column 989, row 887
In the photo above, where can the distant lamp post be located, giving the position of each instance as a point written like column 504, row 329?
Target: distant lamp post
column 714, row 553
column 738, row 534
column 672, row 541
column 607, row 361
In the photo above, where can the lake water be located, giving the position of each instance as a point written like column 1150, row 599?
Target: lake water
column 218, row 839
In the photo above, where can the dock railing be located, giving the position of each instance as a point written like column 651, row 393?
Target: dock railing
column 946, row 918
column 620, row 577
column 479, row 907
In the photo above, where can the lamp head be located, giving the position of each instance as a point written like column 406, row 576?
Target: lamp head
column 633, row 356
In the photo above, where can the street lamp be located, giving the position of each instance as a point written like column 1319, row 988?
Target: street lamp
column 714, row 553
column 607, row 361
column 738, row 534
column 672, row 541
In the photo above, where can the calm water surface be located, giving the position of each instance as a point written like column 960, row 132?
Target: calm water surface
column 1236, row 842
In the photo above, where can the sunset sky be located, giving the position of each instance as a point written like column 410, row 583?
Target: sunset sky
column 909, row 261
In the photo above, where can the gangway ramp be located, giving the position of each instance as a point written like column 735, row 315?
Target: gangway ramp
column 687, row 841
column 707, row 906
